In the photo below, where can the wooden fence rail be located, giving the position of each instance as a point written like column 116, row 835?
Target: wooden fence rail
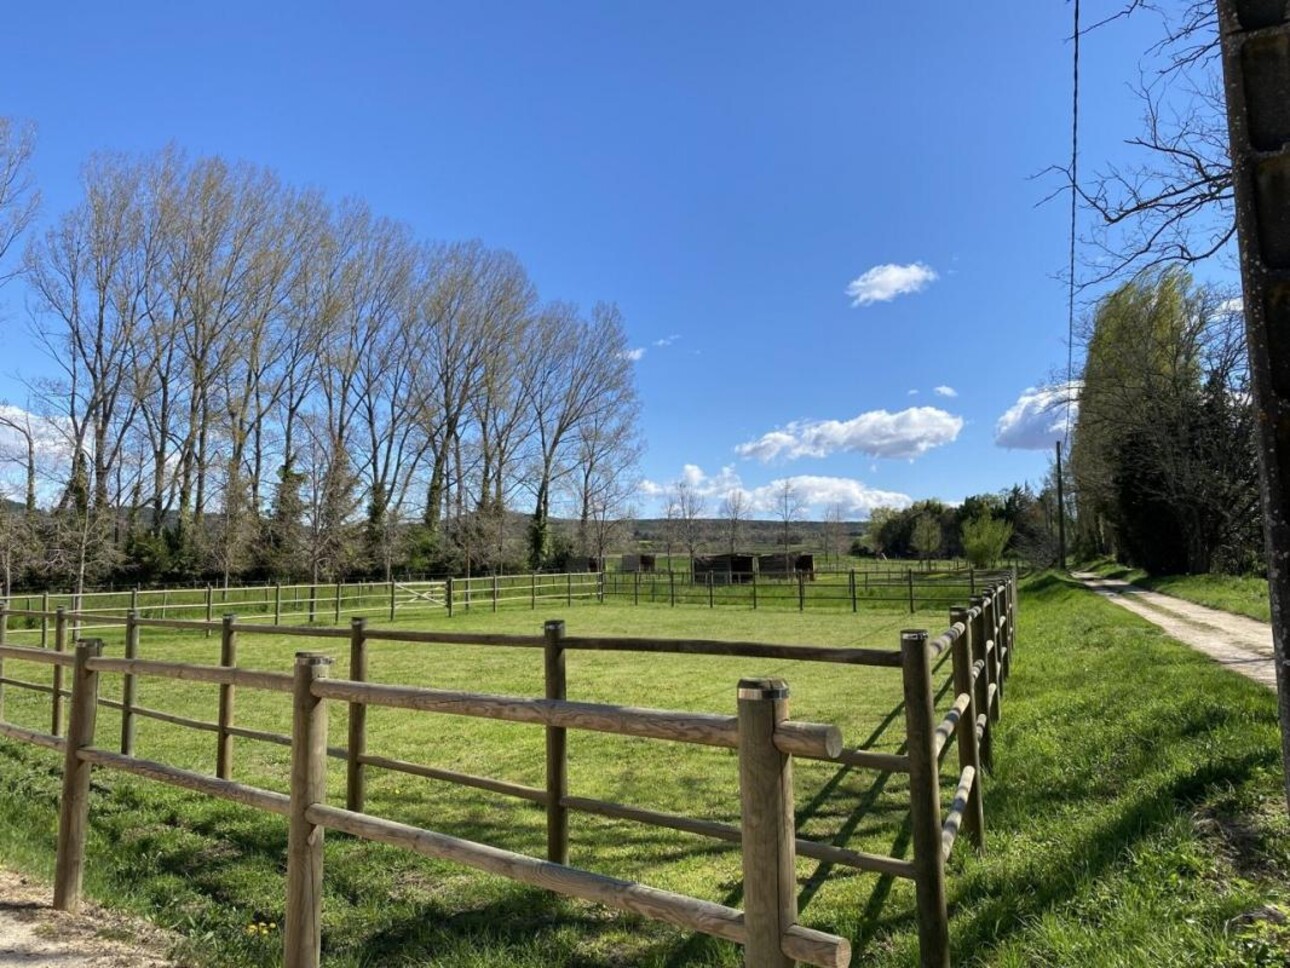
column 979, row 646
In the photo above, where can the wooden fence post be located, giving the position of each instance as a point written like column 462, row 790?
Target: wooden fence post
column 129, row 686
column 754, row 589
column 277, row 603
column 711, row 600
column 982, row 682
column 766, row 823
column 494, row 591
column 339, row 591
column 44, row 620
column 969, row 747
column 671, row 580
column 210, row 608
column 557, row 765
column 4, row 629
column 447, row 593
column 600, row 583
column 355, row 768
column 227, row 695
column 313, row 604
column 568, row 586
column 302, row 932
column 636, row 587
column 971, row 582
column 74, row 807
column 392, row 602
column 134, row 599
column 801, row 591
column 909, row 572
column 925, row 801
column 532, row 590
column 60, row 645
column 853, row 590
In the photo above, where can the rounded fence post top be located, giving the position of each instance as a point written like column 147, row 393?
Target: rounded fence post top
column 313, row 658
column 913, row 635
column 763, row 689
column 553, row 624
column 358, row 621
column 93, row 647
column 960, row 610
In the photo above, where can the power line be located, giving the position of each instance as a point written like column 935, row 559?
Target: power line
column 1074, row 176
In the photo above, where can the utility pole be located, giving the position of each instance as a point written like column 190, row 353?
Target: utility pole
column 1061, row 512
column 1255, row 37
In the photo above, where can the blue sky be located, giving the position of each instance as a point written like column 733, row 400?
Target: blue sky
column 722, row 170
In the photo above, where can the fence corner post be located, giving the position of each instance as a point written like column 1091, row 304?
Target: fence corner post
column 968, row 743
column 74, row 807
column 557, row 767
column 227, row 696
column 925, row 801
column 355, row 768
column 302, row 932
column 767, row 824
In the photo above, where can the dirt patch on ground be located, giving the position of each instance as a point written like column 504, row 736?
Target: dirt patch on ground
column 1240, row 643
column 34, row 935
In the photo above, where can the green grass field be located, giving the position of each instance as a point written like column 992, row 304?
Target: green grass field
column 1120, row 832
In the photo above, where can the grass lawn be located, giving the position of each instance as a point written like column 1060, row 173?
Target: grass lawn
column 1133, row 814
column 1239, row 594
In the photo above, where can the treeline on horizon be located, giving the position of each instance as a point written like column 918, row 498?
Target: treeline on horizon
column 247, row 381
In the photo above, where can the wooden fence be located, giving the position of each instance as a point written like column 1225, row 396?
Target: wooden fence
column 907, row 588
column 979, row 644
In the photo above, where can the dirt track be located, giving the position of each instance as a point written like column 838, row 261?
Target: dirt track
column 1240, row 643
column 34, row 935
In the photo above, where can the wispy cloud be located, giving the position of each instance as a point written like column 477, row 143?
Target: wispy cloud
column 885, row 282
column 944, row 391
column 635, row 354
column 815, row 491
column 877, row 433
column 1038, row 418
column 667, row 340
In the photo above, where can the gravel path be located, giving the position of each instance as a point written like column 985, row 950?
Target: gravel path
column 1240, row 643
column 34, row 935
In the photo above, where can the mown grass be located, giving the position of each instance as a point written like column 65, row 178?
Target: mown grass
column 1134, row 816
column 1239, row 594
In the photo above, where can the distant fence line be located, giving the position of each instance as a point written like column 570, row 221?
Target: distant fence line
column 331, row 603
column 980, row 643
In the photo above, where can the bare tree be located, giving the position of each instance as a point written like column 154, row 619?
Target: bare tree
column 19, row 199
column 734, row 516
column 690, row 505
column 789, row 508
column 835, row 531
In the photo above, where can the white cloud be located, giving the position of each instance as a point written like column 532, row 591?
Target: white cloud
column 667, row 340
column 877, row 433
column 1038, row 417
column 911, row 393
column 944, row 391
column 634, row 354
column 816, row 492
column 884, row 283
